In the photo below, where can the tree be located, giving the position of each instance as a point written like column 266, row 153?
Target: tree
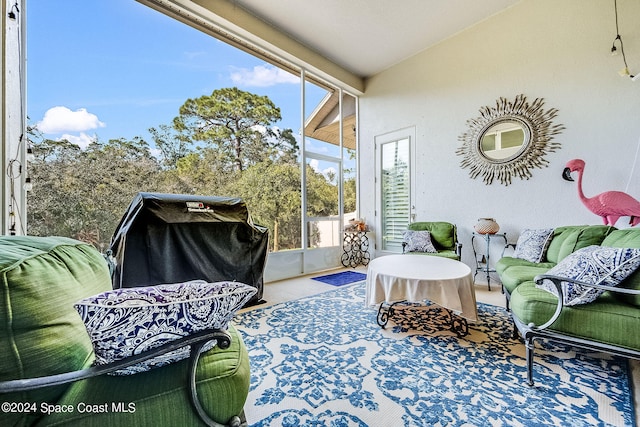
column 172, row 144
column 236, row 124
column 349, row 195
column 349, row 185
column 203, row 172
column 84, row 193
column 322, row 194
column 271, row 191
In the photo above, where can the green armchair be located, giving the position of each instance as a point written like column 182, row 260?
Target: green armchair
column 47, row 374
column 444, row 237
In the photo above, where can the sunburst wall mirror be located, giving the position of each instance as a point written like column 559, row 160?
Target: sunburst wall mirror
column 508, row 140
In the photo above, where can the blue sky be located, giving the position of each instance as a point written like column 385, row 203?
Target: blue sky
column 115, row 68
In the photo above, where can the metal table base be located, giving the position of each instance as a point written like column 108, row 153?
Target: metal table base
column 457, row 324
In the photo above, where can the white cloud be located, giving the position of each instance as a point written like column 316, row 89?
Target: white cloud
column 260, row 129
column 262, row 76
column 330, row 171
column 61, row 119
column 327, row 172
column 83, row 140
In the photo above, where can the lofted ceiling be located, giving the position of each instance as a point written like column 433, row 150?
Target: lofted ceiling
column 346, row 40
column 366, row 37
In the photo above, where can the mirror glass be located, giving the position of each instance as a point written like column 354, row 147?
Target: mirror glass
column 503, row 140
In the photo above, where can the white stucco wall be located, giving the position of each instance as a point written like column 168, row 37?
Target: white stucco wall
column 556, row 50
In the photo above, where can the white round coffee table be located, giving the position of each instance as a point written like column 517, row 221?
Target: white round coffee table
column 415, row 278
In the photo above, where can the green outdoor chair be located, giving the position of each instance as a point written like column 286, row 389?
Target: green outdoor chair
column 47, row 374
column 443, row 236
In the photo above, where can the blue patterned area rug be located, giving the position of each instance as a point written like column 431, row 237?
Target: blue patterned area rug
column 342, row 278
column 324, row 361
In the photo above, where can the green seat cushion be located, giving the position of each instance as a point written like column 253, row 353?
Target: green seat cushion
column 515, row 275
column 442, row 253
column 448, row 254
column 569, row 239
column 605, row 320
column 507, row 262
column 627, row 238
column 160, row 396
column 443, row 234
column 631, row 282
column 40, row 280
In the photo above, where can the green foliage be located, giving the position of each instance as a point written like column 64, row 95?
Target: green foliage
column 272, row 191
column 349, row 195
column 322, row 195
column 172, row 144
column 83, row 193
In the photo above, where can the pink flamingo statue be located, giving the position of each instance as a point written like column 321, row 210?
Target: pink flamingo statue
column 610, row 205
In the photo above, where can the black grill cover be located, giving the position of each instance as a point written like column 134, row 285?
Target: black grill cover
column 170, row 238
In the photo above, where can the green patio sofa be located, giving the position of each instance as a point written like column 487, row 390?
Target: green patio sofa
column 444, row 237
column 44, row 342
column 565, row 240
column 607, row 324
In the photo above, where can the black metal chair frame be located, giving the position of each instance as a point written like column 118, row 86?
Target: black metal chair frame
column 197, row 341
column 531, row 332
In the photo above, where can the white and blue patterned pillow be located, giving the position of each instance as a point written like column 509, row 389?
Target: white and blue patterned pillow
column 532, row 245
column 124, row 322
column 418, row 241
column 598, row 265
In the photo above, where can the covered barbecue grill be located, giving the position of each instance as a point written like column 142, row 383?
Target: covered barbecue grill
column 170, row 238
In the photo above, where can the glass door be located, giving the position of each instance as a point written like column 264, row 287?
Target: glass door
column 394, row 188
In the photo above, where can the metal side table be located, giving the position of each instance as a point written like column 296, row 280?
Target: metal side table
column 483, row 255
column 355, row 249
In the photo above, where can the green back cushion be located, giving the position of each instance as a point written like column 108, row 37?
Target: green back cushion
column 160, row 396
column 569, row 239
column 443, row 234
column 42, row 334
column 627, row 238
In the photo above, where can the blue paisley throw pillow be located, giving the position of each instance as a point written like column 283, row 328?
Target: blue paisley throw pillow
column 598, row 265
column 532, row 245
column 124, row 322
column 418, row 241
